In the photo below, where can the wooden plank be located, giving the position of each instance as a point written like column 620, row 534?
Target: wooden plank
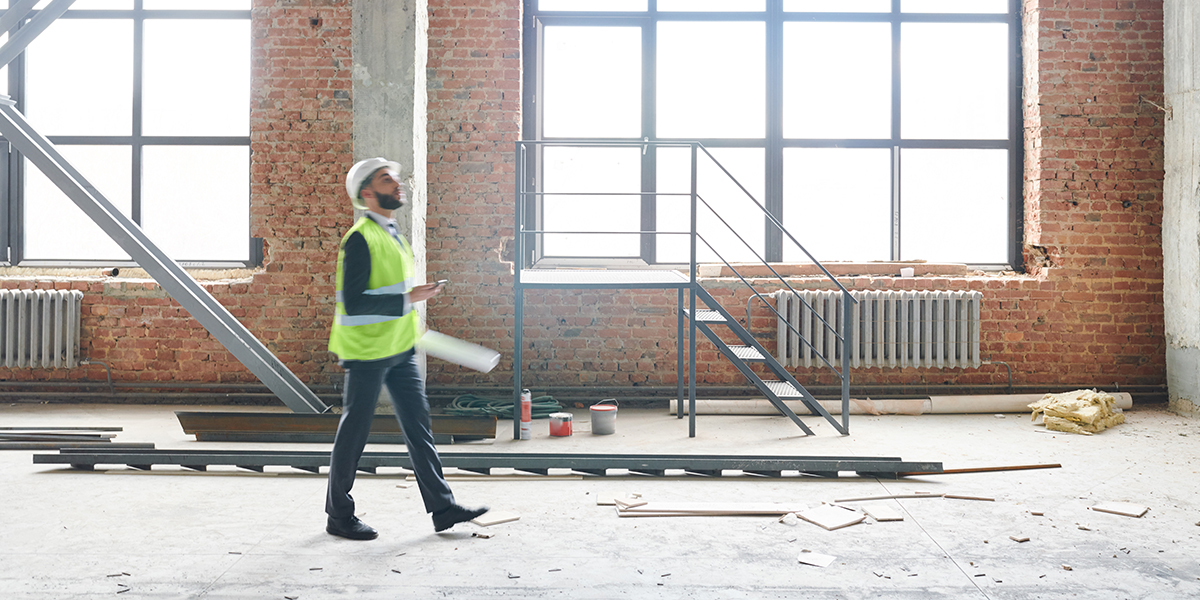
column 494, row 517
column 890, row 497
column 1125, row 509
column 981, row 470
column 958, row 497
column 831, row 517
column 722, row 508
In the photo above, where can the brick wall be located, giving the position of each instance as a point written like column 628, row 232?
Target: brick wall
column 1088, row 311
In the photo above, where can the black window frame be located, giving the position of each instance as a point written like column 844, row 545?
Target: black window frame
column 534, row 22
column 12, row 230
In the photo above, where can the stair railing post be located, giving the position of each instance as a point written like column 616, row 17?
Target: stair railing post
column 518, row 293
column 692, row 307
column 847, row 348
column 679, row 354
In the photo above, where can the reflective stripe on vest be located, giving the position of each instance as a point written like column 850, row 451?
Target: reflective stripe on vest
column 388, row 290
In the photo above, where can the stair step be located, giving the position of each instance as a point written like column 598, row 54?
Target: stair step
column 707, row 316
column 783, row 389
column 747, row 353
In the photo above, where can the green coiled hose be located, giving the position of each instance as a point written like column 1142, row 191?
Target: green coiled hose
column 476, row 406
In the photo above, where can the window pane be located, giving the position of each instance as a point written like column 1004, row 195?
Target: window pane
column 79, row 75
column 711, row 80
column 592, row 170
column 837, row 5
column 593, row 5
column 56, row 229
column 837, row 202
column 954, row 6
column 593, row 82
column 196, row 78
column 196, row 201
column 196, row 4
column 954, row 205
column 712, row 5
column 954, row 95
column 673, row 213
column 837, row 80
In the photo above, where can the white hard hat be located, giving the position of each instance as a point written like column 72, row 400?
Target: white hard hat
column 360, row 172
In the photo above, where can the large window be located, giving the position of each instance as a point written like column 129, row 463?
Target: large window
column 874, row 130
column 150, row 101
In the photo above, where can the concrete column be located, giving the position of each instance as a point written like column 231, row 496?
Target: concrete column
column 1181, row 203
column 389, row 45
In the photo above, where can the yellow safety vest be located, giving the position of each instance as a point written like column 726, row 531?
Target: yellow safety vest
column 372, row 337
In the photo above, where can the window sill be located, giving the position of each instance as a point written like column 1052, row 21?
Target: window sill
column 208, row 275
column 848, row 269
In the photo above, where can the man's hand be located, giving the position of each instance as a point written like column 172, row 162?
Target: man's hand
column 425, row 292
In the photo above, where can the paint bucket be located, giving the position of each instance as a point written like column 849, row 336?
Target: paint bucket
column 560, row 424
column 604, row 417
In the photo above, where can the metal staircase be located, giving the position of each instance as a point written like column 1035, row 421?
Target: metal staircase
column 708, row 319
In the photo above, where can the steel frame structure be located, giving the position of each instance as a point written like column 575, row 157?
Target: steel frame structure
column 129, row 236
column 527, row 196
column 655, row 465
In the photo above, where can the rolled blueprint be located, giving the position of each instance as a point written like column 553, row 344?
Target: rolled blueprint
column 449, row 349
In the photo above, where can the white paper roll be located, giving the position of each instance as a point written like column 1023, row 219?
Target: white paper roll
column 449, row 349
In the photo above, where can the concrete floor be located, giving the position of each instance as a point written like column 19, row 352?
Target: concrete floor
column 173, row 534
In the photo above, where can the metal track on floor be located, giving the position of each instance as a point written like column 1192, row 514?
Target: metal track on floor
column 484, row 462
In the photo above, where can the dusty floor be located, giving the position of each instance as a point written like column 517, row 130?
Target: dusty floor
column 174, row 534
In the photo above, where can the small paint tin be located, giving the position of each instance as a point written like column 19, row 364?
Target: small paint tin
column 560, row 424
column 604, row 417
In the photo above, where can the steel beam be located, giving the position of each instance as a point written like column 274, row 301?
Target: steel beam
column 182, row 287
column 21, row 39
column 597, row 464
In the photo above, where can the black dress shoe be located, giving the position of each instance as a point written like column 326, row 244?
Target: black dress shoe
column 455, row 514
column 350, row 528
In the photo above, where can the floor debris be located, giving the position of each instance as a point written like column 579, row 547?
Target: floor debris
column 832, row 517
column 494, row 517
column 979, row 498
column 890, row 497
column 882, row 512
column 485, row 536
column 816, row 559
column 1125, row 509
column 1082, row 411
column 1020, row 539
column 708, row 509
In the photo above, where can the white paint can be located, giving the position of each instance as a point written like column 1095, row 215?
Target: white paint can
column 604, row 417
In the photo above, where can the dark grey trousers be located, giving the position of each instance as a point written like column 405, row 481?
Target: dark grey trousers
column 412, row 411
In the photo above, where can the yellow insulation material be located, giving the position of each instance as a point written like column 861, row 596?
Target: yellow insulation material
column 1081, row 411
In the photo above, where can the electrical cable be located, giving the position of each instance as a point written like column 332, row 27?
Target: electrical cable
column 472, row 405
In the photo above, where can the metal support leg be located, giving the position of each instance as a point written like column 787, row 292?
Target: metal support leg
column 847, row 348
column 679, row 352
column 518, row 313
column 692, row 365
column 173, row 279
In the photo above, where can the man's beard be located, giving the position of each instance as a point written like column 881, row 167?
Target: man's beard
column 390, row 201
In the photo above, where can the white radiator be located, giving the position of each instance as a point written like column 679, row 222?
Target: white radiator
column 890, row 328
column 39, row 328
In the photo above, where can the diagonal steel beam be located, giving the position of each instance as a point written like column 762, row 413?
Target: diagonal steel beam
column 21, row 39
column 182, row 288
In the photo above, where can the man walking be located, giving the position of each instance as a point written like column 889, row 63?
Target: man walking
column 374, row 330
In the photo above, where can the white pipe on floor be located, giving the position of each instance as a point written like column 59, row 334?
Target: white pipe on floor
column 998, row 403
